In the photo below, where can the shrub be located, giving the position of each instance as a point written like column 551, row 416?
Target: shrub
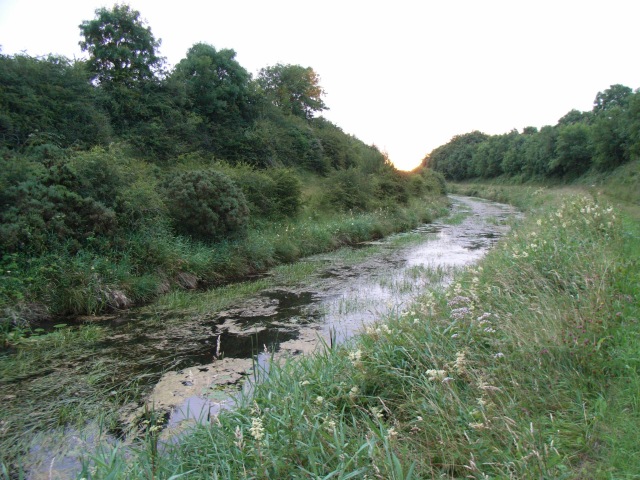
column 348, row 190
column 207, row 205
column 39, row 214
column 287, row 191
column 434, row 182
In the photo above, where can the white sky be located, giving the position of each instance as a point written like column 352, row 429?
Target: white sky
column 404, row 75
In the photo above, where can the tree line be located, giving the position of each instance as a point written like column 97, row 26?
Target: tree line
column 601, row 139
column 120, row 174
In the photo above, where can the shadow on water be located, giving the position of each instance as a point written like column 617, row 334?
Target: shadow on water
column 337, row 300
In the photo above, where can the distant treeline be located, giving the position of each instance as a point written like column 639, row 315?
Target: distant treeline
column 601, row 139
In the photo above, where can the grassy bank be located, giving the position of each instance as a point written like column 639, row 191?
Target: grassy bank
column 525, row 368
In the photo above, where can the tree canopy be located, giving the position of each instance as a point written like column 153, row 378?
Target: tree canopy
column 121, row 48
column 602, row 139
column 293, row 88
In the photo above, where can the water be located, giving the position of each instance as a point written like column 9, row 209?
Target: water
column 197, row 363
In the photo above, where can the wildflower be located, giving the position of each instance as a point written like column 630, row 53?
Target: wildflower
column 355, row 357
column 319, row 400
column 458, row 300
column 257, row 430
column 353, row 393
column 416, row 321
column 391, row 433
column 498, row 355
column 460, row 313
column 461, row 362
column 455, row 335
column 376, row 412
column 490, row 330
column 447, row 379
column 436, row 375
column 539, row 222
column 483, row 317
column 304, row 383
column 330, row 426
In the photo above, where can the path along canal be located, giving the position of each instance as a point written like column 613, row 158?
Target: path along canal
column 192, row 362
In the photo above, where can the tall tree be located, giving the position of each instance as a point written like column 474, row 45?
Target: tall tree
column 615, row 96
column 217, row 89
column 293, row 88
column 122, row 49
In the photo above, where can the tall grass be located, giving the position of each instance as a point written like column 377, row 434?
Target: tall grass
column 526, row 367
column 154, row 260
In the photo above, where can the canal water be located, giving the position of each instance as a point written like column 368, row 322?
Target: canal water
column 194, row 367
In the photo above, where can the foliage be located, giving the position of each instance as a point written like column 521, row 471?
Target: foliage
column 217, row 89
column 454, row 158
column 207, row 205
column 69, row 202
column 287, row 192
column 48, row 101
column 48, row 208
column 122, row 50
column 293, row 88
column 601, row 139
column 573, row 150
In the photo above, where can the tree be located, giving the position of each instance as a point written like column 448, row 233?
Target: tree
column 575, row 116
column 48, row 101
column 611, row 138
column 217, row 89
column 614, row 96
column 293, row 88
column 122, row 49
column 574, row 150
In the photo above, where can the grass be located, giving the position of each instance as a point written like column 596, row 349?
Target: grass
column 526, row 367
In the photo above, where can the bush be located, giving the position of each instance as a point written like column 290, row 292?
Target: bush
column 434, row 182
column 287, row 191
column 207, row 205
column 348, row 190
column 45, row 207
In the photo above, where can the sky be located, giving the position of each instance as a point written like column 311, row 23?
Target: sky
column 404, row 75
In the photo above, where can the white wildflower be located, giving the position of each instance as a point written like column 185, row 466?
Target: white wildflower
column 257, row 430
column 436, row 375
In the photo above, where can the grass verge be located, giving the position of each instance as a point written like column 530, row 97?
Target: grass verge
column 527, row 367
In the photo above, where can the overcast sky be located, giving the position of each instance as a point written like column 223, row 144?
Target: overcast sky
column 404, row 75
